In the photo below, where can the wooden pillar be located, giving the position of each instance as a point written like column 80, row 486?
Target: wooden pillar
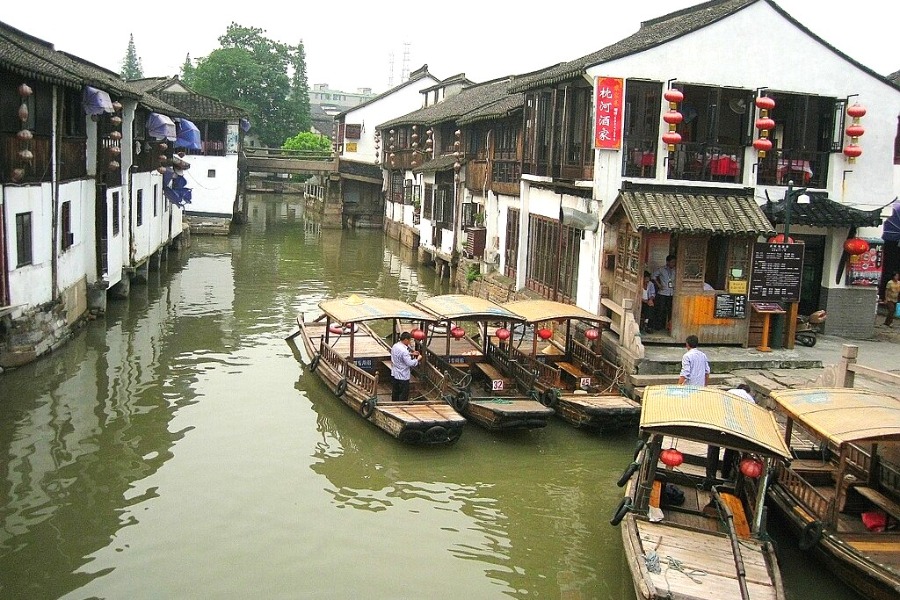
column 845, row 374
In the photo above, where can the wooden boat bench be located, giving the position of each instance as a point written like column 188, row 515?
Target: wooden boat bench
column 879, row 500
column 573, row 371
column 498, row 381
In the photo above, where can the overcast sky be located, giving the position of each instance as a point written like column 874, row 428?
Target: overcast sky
column 349, row 43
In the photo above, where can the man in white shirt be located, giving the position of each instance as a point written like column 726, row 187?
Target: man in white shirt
column 694, row 364
column 665, row 291
column 402, row 360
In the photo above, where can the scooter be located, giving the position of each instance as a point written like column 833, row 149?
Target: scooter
column 808, row 328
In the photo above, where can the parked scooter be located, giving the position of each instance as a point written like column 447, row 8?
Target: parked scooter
column 808, row 328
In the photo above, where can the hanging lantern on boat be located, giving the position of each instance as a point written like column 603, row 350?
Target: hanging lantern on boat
column 502, row 334
column 457, row 332
column 418, row 334
column 592, row 334
column 671, row 457
column 544, row 333
column 752, row 468
column 856, row 246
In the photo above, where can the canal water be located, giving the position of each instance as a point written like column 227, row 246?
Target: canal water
column 176, row 449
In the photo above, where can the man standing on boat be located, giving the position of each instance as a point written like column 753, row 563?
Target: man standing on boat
column 402, row 360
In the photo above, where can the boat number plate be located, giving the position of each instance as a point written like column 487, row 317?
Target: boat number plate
column 497, row 385
column 585, row 382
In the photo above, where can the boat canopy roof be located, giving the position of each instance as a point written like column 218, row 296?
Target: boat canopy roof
column 712, row 416
column 461, row 306
column 534, row 311
column 843, row 415
column 363, row 308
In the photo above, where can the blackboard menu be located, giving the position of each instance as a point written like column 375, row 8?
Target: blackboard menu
column 730, row 306
column 776, row 274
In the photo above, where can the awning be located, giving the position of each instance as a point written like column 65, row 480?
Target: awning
column 161, row 127
column 891, row 230
column 714, row 212
column 535, row 311
column 461, row 306
column 362, row 308
column 96, row 102
column 441, row 163
column 821, row 211
column 188, row 135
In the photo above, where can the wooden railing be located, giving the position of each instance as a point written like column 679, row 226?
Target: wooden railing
column 547, row 375
column 432, row 377
column 332, row 358
column 860, row 460
column 285, row 153
column 888, row 476
column 525, row 379
column 803, row 491
column 361, row 379
column 454, row 374
column 498, row 357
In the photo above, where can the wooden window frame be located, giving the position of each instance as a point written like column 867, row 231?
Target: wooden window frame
column 24, row 239
column 66, row 237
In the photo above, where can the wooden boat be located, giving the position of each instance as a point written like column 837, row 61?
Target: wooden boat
column 710, row 545
column 842, row 485
column 579, row 384
column 354, row 361
column 474, row 384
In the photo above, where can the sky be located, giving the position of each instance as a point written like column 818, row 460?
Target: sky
column 349, row 44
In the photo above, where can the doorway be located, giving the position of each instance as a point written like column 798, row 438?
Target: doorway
column 811, row 277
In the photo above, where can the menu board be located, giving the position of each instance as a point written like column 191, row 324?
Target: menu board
column 865, row 269
column 730, row 306
column 777, row 271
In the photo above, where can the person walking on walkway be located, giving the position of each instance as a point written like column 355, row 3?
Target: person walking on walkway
column 402, row 360
column 694, row 364
column 891, row 291
column 664, row 277
column 648, row 299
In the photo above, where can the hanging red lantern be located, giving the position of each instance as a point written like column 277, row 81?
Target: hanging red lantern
column 592, row 334
column 115, row 135
column 673, row 117
column 856, row 246
column 418, row 334
column 671, row 138
column 856, row 111
column 752, row 468
column 502, row 334
column 18, row 175
column 117, row 106
column 25, row 90
column 671, row 457
column 23, row 112
column 765, row 123
column 24, row 135
column 762, row 146
column 852, row 152
column 779, row 239
column 765, row 103
column 544, row 333
column 26, row 155
column 457, row 332
column 855, row 130
column 673, row 95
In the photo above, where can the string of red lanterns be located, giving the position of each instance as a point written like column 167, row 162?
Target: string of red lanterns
column 673, row 118
column 852, row 150
column 856, row 246
column 24, row 135
column 764, row 123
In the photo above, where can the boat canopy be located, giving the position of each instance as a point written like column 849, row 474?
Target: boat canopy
column 712, row 416
column 534, row 311
column 843, row 415
column 362, row 308
column 461, row 306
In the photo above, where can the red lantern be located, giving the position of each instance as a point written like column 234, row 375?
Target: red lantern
column 779, row 239
column 762, row 145
column 117, row 106
column 592, row 334
column 544, row 333
column 418, row 334
column 856, row 111
column 752, row 468
column 24, row 135
column 852, row 152
column 855, row 130
column 671, row 138
column 502, row 334
column 671, row 457
column 673, row 117
column 765, row 123
column 856, row 246
column 765, row 103
column 673, row 95
column 25, row 90
column 115, row 135
column 457, row 332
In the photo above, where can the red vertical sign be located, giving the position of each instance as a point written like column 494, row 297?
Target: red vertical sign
column 608, row 113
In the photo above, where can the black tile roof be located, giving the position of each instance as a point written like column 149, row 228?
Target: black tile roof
column 692, row 210
column 822, row 212
column 505, row 107
column 193, row 103
column 457, row 105
column 441, row 163
column 361, row 169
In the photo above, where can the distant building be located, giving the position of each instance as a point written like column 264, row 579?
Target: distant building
column 335, row 101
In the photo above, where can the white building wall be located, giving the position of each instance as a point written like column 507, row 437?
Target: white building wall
column 117, row 241
column 30, row 285
column 73, row 262
column 401, row 101
column 213, row 181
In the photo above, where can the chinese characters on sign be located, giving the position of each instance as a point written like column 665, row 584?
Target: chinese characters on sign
column 608, row 114
column 776, row 275
column 865, row 269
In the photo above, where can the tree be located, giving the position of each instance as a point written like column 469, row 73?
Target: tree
column 131, row 65
column 188, row 70
column 309, row 142
column 251, row 71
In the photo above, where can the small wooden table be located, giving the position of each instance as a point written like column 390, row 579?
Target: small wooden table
column 767, row 309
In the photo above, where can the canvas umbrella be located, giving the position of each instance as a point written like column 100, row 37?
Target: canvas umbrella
column 188, row 135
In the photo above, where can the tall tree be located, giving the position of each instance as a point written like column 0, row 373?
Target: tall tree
column 251, row 71
column 131, row 64
column 299, row 99
column 188, row 70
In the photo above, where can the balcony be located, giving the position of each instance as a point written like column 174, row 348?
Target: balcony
column 803, row 167
column 693, row 161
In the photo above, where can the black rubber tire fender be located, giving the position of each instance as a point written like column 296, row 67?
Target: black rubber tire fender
column 341, row 388
column 314, row 363
column 436, row 434
column 461, row 401
column 621, row 510
column 367, row 408
column 811, row 534
column 627, row 473
column 550, row 397
column 637, row 448
column 411, row 436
